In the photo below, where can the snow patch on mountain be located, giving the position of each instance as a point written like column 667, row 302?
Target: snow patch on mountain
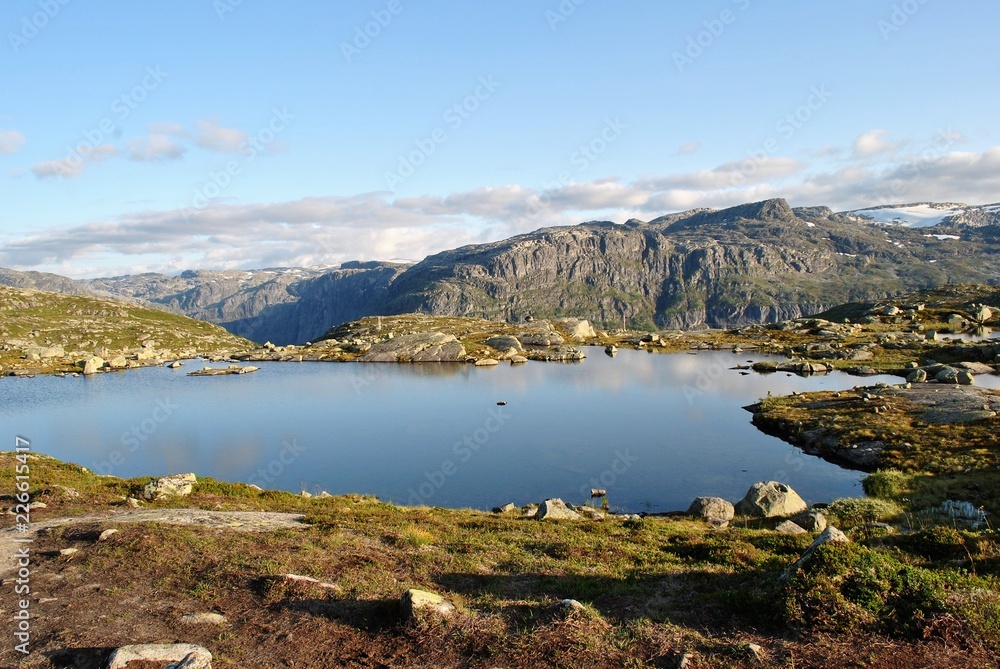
column 909, row 216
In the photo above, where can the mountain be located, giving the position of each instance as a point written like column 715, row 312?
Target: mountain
column 928, row 214
column 757, row 262
column 282, row 305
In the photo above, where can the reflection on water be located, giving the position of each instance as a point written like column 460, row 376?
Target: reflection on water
column 654, row 430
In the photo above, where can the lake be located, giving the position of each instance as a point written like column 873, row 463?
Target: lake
column 655, row 430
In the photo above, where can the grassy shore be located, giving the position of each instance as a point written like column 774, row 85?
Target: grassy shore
column 653, row 590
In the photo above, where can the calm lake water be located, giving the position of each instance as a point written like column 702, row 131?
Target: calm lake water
column 654, row 430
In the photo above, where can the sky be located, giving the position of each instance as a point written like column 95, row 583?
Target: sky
column 236, row 134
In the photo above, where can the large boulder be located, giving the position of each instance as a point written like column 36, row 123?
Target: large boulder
column 504, row 343
column 715, row 510
column 576, row 328
column 417, row 347
column 416, row 603
column 770, row 499
column 175, row 485
column 181, row 655
column 556, row 509
column 92, row 365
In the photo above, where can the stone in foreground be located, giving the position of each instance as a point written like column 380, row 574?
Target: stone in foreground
column 419, row 602
column 186, row 655
column 556, row 509
column 770, row 499
column 175, row 485
column 830, row 535
column 713, row 509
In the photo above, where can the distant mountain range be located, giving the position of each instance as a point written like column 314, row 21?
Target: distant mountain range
column 758, row 262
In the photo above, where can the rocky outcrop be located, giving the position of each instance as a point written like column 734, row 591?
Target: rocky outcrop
column 418, row 347
column 176, row 485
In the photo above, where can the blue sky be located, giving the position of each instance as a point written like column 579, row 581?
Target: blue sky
column 225, row 134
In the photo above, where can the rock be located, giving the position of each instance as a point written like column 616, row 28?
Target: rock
column 713, row 509
column 118, row 362
column 420, row 602
column 976, row 368
column 982, row 314
column 518, row 360
column 417, row 347
column 811, row 521
column 830, row 535
column 597, row 492
column 770, row 499
column 204, row 619
column 232, row 369
column 788, row 527
column 611, row 350
column 577, row 329
column 961, row 513
column 68, row 551
column 556, row 509
column 504, row 343
column 571, row 605
column 175, row 485
column 686, row 661
column 506, row 508
column 92, row 365
column 107, row 534
column 133, row 502
column 947, row 375
column 176, row 364
column 917, row 376
column 487, row 362
column 182, row 655
column 965, row 378
column 297, row 578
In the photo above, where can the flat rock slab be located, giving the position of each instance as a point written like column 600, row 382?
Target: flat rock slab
column 186, row 655
column 947, row 405
column 418, row 347
column 237, row 521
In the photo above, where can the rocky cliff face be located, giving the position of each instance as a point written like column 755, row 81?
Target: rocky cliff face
column 758, row 262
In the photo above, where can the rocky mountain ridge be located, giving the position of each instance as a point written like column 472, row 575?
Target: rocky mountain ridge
column 755, row 263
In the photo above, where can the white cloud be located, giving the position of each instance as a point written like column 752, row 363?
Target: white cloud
column 689, row 148
column 73, row 165
column 154, row 148
column 331, row 229
column 11, row 141
column 214, row 137
column 874, row 143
